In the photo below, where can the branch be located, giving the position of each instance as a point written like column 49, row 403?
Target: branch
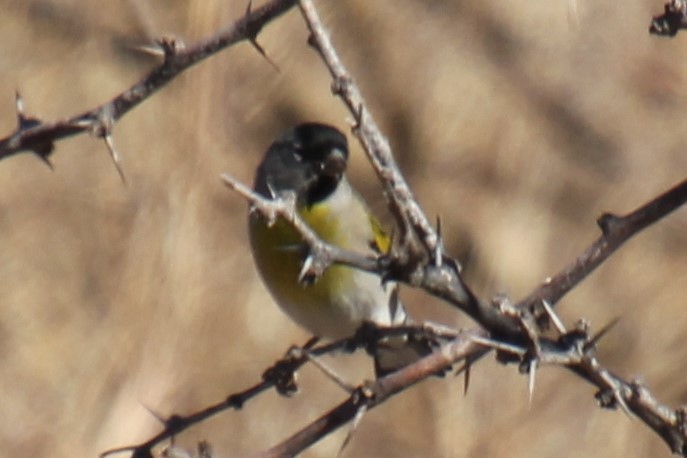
column 403, row 205
column 39, row 137
column 322, row 255
column 574, row 350
column 279, row 376
column 616, row 230
column 370, row 395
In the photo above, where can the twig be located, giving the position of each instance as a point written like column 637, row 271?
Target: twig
column 403, row 204
column 322, row 254
column 39, row 137
column 616, row 230
column 280, row 376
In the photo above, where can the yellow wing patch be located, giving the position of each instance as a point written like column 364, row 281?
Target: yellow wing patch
column 382, row 241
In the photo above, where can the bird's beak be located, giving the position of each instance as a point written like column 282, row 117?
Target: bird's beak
column 334, row 164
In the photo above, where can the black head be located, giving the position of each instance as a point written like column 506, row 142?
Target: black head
column 309, row 159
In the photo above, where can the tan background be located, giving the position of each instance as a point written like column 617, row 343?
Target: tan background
column 519, row 122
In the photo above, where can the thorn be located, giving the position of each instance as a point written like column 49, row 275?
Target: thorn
column 114, row 155
column 45, row 160
column 595, row 339
column 155, row 414
column 24, row 122
column 329, row 372
column 306, row 276
column 253, row 38
column 532, row 377
column 357, row 419
column 499, row 345
column 20, row 106
column 154, row 50
column 460, row 369
column 113, row 451
column 555, row 319
column 621, row 402
column 439, row 248
column 42, row 150
column 466, row 384
column 85, row 123
column 102, row 127
column 263, row 53
column 529, row 325
column 273, row 192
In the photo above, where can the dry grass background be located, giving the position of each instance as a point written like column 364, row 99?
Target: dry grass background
column 515, row 122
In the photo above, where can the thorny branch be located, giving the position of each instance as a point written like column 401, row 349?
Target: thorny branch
column 282, row 377
column 39, row 137
column 405, row 208
column 370, row 395
column 574, row 350
column 322, row 255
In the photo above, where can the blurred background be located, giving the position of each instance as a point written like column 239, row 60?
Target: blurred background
column 518, row 122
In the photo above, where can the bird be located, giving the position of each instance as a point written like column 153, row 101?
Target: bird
column 308, row 162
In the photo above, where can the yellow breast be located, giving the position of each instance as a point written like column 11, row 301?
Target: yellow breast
column 279, row 253
column 338, row 302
